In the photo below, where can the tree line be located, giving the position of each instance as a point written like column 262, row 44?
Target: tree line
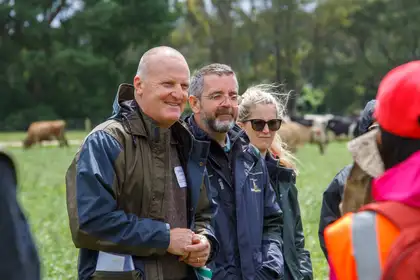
column 65, row 59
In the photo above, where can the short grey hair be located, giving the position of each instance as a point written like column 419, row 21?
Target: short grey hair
column 197, row 80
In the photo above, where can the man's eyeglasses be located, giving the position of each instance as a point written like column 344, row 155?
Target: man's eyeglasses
column 258, row 124
column 221, row 98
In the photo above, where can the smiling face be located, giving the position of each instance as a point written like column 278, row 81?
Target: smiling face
column 262, row 140
column 161, row 92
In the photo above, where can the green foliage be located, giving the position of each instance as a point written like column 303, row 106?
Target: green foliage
column 73, row 70
column 18, row 120
column 340, row 47
column 310, row 99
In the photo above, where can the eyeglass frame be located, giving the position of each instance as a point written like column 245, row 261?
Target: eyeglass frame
column 228, row 97
column 265, row 124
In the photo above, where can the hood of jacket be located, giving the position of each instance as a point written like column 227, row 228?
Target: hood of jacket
column 125, row 93
column 400, row 183
column 126, row 109
column 277, row 172
column 366, row 117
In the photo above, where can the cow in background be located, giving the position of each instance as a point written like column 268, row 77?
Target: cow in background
column 295, row 135
column 46, row 131
column 302, row 121
column 338, row 125
column 342, row 126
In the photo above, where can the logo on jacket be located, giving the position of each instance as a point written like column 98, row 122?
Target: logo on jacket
column 247, row 167
column 255, row 188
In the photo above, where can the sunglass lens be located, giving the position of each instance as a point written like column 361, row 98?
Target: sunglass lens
column 258, row 125
column 274, row 125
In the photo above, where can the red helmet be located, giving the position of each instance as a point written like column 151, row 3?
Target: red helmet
column 398, row 101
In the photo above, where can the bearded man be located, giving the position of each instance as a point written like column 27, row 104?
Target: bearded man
column 248, row 221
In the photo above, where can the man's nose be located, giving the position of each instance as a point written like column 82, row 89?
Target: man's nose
column 178, row 92
column 227, row 102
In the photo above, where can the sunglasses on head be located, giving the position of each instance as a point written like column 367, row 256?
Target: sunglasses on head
column 258, row 124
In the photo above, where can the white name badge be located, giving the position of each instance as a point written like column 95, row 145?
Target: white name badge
column 114, row 262
column 180, row 176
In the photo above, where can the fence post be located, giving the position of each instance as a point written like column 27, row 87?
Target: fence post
column 88, row 125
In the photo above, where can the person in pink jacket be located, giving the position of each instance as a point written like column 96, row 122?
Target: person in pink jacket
column 379, row 240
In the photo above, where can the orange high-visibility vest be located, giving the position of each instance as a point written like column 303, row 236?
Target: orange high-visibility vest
column 358, row 245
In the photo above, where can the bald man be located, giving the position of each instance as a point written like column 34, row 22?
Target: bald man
column 137, row 190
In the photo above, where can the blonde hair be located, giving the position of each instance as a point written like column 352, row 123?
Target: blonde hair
column 268, row 94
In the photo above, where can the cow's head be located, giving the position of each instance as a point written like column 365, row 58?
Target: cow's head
column 27, row 142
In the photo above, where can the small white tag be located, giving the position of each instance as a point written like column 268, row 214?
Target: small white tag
column 114, row 262
column 222, row 187
column 180, row 176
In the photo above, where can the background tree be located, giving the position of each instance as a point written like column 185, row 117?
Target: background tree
column 65, row 59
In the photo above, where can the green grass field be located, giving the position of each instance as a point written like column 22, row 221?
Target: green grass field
column 42, row 195
column 19, row 136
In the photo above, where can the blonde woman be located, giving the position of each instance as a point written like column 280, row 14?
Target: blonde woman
column 260, row 116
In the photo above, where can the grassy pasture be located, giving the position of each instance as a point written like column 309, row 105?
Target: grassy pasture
column 42, row 194
column 20, row 135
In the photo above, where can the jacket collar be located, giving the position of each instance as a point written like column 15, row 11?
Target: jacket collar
column 277, row 171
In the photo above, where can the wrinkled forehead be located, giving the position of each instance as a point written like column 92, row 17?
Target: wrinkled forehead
column 224, row 84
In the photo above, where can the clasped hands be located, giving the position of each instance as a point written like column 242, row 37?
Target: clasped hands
column 193, row 249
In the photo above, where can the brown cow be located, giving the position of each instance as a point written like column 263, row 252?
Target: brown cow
column 46, row 131
column 296, row 135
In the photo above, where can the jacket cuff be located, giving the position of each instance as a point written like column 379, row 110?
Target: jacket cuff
column 162, row 251
column 168, row 232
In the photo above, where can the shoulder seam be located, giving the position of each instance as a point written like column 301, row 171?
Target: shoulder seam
column 104, row 129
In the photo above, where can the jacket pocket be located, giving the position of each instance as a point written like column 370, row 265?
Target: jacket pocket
column 117, row 275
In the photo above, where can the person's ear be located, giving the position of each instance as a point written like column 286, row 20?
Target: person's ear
column 138, row 85
column 194, row 104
